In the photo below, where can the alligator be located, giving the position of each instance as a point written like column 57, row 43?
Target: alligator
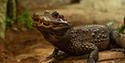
column 74, row 40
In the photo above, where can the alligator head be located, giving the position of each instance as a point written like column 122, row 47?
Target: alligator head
column 49, row 21
column 51, row 24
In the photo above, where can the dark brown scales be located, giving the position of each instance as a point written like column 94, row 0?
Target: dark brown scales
column 75, row 41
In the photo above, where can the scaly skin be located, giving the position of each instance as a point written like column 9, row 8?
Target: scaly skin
column 73, row 41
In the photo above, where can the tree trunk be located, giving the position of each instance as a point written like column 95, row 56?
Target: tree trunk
column 11, row 9
column 3, row 7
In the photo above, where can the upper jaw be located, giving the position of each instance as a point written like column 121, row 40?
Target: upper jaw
column 53, row 17
column 48, row 17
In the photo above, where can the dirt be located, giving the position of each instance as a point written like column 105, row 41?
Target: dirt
column 23, row 47
column 31, row 47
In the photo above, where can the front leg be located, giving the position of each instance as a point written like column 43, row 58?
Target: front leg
column 93, row 52
column 93, row 57
column 57, row 54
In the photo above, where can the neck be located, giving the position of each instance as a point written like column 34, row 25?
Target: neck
column 54, row 35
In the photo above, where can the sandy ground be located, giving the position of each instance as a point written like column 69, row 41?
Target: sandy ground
column 30, row 47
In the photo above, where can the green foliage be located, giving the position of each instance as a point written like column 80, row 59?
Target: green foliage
column 25, row 19
column 110, row 23
column 121, row 29
column 8, row 22
column 22, row 20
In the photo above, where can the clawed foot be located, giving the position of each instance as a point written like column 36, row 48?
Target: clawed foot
column 56, row 55
column 59, row 56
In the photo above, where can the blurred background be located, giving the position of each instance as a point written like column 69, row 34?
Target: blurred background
column 21, row 43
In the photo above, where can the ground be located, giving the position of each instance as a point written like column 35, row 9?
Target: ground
column 23, row 46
